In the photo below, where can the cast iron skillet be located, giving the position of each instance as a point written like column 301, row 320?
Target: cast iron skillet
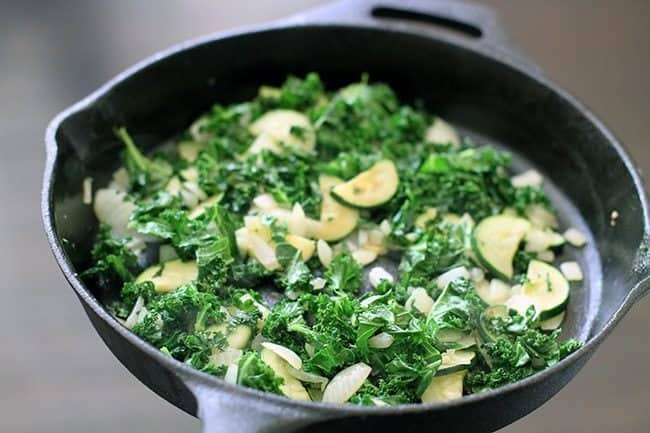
column 456, row 58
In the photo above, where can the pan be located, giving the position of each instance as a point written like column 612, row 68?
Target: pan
column 453, row 56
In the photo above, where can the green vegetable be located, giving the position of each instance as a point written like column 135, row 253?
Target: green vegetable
column 254, row 373
column 113, row 261
column 328, row 184
column 344, row 275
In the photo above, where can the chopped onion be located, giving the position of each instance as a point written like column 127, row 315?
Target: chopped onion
column 362, row 237
column 231, row 373
column 385, row 227
column 113, row 208
column 442, row 132
column 191, row 174
column 120, row 181
column 575, row 237
column 303, row 376
column 324, row 253
column 477, row 274
column 451, row 275
column 137, row 313
column 420, row 300
column 572, row 271
column 346, row 383
column 519, row 303
column 546, row 256
column 377, row 274
column 286, row 354
column 382, row 340
column 540, row 216
column 527, row 178
column 365, row 257
column 226, row 357
column 87, row 187
column 264, row 202
column 318, row 283
column 376, row 237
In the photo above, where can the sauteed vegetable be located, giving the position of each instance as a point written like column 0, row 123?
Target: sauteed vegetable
column 335, row 246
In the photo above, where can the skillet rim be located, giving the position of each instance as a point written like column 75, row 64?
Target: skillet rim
column 193, row 378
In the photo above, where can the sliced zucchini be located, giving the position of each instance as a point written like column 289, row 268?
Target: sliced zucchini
column 370, row 188
column 239, row 337
column 496, row 240
column 454, row 339
column 455, row 360
column 281, row 129
column 446, row 387
column 545, row 288
column 291, row 387
column 553, row 323
column 336, row 221
column 304, row 245
column 538, row 240
column 442, row 132
column 168, row 276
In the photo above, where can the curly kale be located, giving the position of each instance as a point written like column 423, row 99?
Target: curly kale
column 319, row 308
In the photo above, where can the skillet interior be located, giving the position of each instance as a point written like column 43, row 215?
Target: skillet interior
column 484, row 97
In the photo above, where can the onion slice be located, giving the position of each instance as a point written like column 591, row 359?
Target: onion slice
column 286, row 354
column 346, row 383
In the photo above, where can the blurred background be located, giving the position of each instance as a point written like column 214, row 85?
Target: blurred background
column 55, row 373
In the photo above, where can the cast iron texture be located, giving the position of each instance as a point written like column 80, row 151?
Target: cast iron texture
column 469, row 77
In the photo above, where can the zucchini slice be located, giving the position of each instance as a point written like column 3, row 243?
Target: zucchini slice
column 455, row 360
column 446, row 387
column 336, row 221
column 279, row 128
column 168, row 276
column 545, row 288
column 496, row 240
column 553, row 323
column 454, row 339
column 370, row 188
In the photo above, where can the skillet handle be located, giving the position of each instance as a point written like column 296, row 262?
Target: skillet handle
column 229, row 410
column 464, row 22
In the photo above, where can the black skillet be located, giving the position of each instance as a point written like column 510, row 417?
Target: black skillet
column 456, row 58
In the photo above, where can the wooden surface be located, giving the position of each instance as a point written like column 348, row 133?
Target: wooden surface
column 55, row 373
